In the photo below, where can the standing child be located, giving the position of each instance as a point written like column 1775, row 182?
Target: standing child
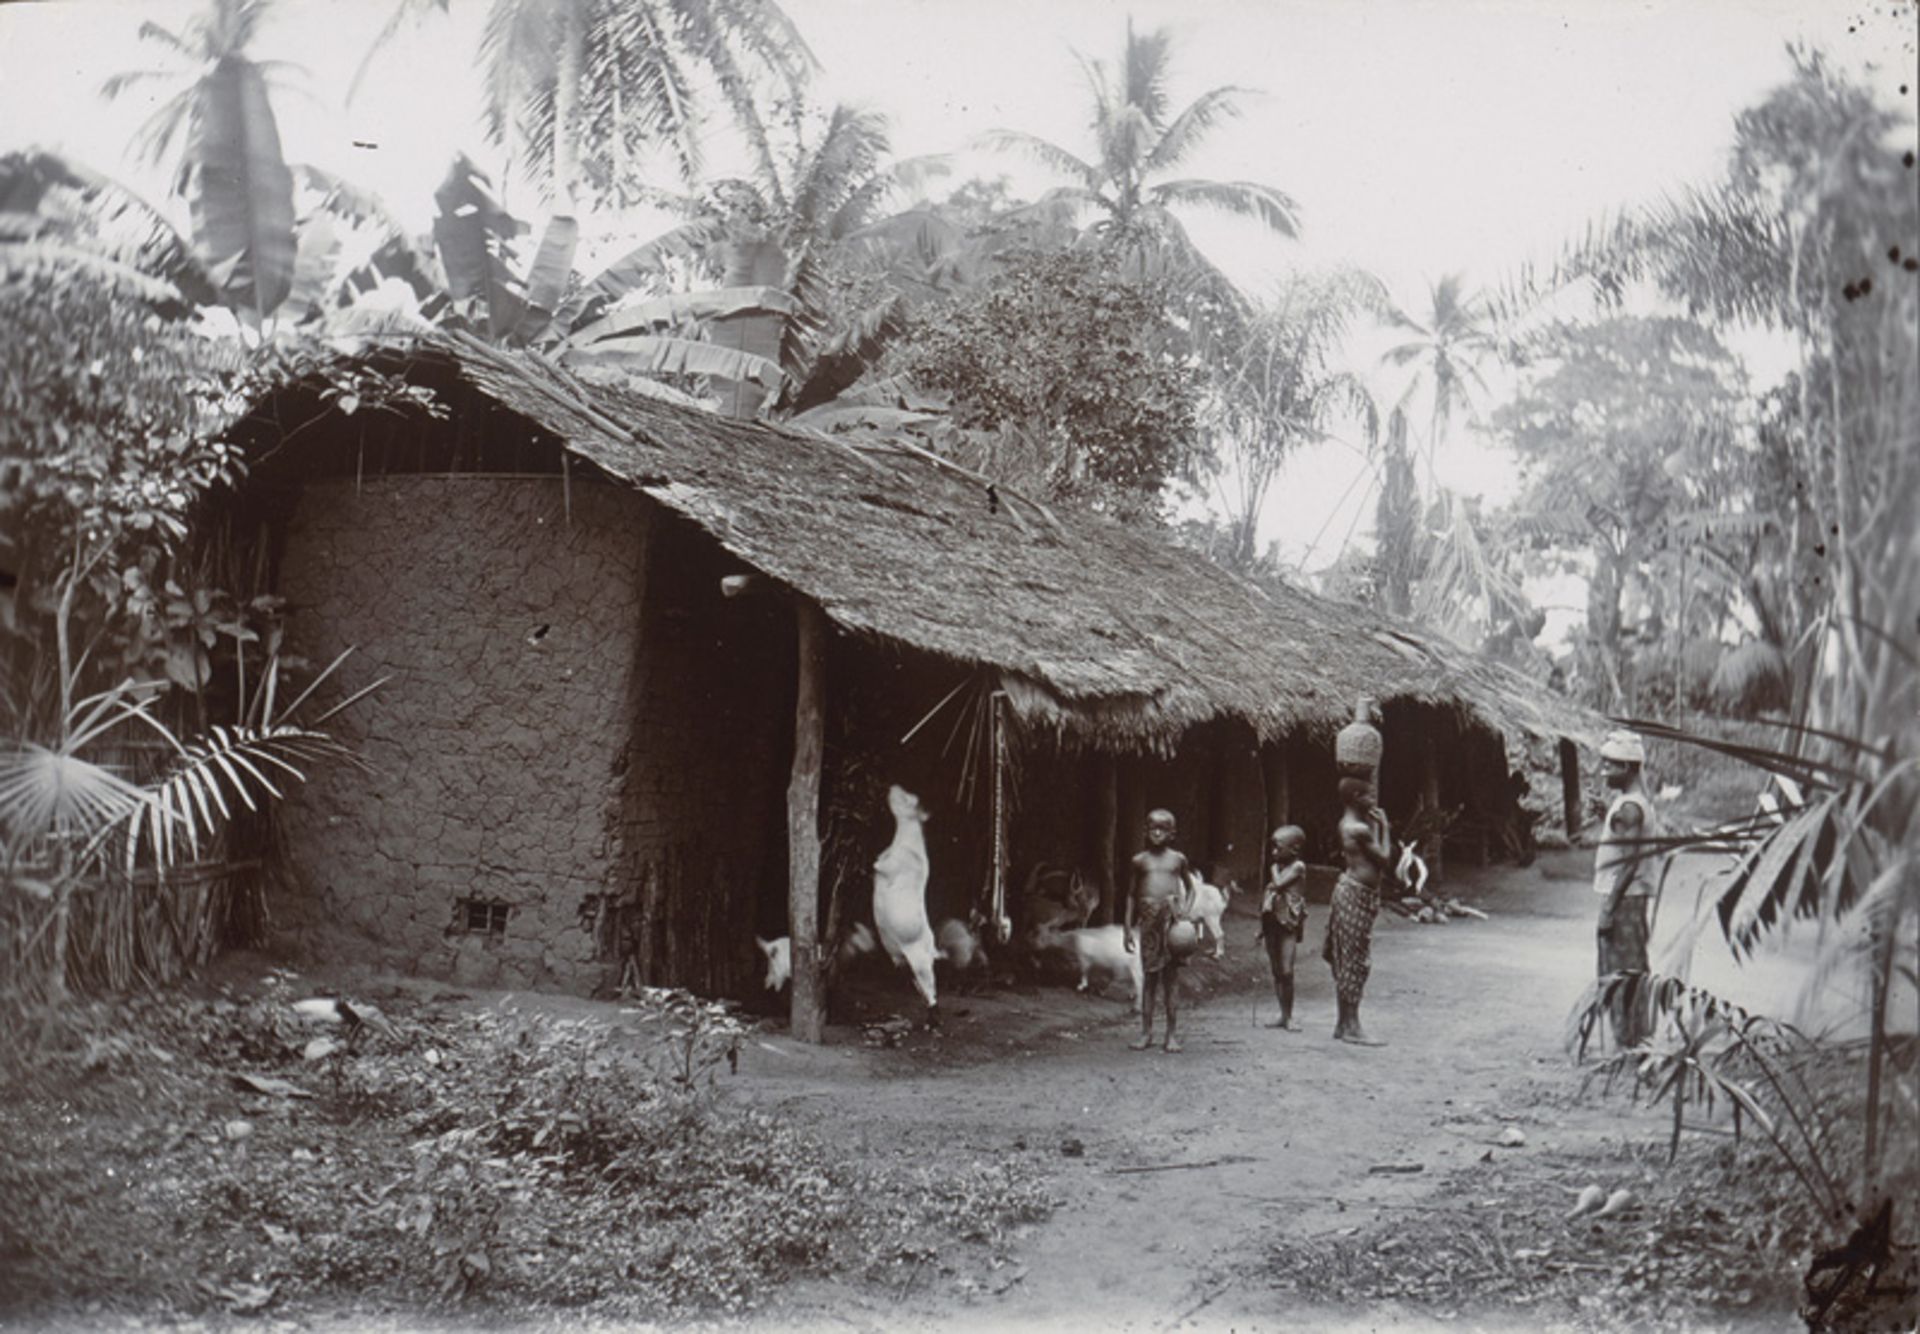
column 1283, row 914
column 1159, row 898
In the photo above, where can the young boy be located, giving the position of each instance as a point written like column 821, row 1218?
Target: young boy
column 1159, row 898
column 1283, row 914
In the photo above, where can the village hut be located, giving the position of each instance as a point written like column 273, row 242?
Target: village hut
column 648, row 672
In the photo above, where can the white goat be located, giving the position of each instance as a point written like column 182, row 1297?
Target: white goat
column 1207, row 906
column 779, row 961
column 1412, row 871
column 900, row 896
column 1096, row 947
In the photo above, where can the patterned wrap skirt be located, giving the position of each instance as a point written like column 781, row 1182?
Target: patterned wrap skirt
column 1624, row 949
column 1349, row 946
column 1157, row 917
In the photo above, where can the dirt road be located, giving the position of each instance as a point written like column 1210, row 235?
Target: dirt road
column 1188, row 1167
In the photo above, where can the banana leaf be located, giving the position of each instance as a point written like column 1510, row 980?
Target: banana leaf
column 680, row 309
column 650, row 355
column 241, row 190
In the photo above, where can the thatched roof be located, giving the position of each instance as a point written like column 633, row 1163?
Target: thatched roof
column 1106, row 632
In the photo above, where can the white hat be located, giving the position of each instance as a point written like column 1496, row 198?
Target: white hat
column 1623, row 746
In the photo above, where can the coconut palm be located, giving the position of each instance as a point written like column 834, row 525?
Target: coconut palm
column 1138, row 141
column 576, row 87
column 231, row 169
column 1436, row 563
column 1445, row 349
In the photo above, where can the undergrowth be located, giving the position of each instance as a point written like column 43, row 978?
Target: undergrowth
column 1721, row 1232
column 187, row 1154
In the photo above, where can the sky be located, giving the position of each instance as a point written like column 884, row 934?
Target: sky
column 1419, row 137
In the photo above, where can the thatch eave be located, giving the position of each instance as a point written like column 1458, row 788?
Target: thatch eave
column 1106, row 635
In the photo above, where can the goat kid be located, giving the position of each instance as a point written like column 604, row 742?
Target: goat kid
column 1101, row 948
column 1207, row 909
column 779, row 956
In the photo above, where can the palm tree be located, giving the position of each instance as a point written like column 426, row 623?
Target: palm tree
column 1446, row 350
column 1815, row 200
column 809, row 259
column 1280, row 388
column 231, row 169
column 1137, row 143
column 575, row 87
column 1436, row 564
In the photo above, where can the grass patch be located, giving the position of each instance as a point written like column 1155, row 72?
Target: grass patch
column 468, row 1159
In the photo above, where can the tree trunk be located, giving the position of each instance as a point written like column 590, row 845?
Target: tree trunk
column 808, row 1019
column 1396, row 523
column 570, row 69
column 1603, row 616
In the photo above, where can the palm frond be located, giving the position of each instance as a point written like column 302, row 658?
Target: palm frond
column 43, row 790
column 229, row 766
column 1272, row 208
column 1145, row 63
column 1808, row 770
column 1049, row 155
column 23, row 256
column 1184, row 134
column 646, row 263
column 403, row 11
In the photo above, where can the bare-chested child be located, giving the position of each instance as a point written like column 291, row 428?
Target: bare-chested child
column 1158, row 898
column 1283, row 914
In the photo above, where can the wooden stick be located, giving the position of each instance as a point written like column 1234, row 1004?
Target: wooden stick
column 1167, row 1167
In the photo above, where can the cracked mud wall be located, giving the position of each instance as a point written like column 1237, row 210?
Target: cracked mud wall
column 579, row 764
column 510, row 635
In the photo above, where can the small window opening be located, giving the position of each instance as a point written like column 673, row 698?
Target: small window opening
column 483, row 917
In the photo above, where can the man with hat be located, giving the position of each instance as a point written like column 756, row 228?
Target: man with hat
column 1621, row 877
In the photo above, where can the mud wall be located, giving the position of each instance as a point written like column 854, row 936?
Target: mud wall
column 479, row 843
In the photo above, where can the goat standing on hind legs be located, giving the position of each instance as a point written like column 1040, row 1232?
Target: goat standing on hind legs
column 900, row 896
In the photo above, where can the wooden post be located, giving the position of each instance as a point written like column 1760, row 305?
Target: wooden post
column 1570, row 785
column 1106, row 792
column 1131, row 826
column 808, row 1019
column 1430, row 799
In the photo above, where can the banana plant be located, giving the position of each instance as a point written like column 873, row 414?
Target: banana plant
column 231, row 169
